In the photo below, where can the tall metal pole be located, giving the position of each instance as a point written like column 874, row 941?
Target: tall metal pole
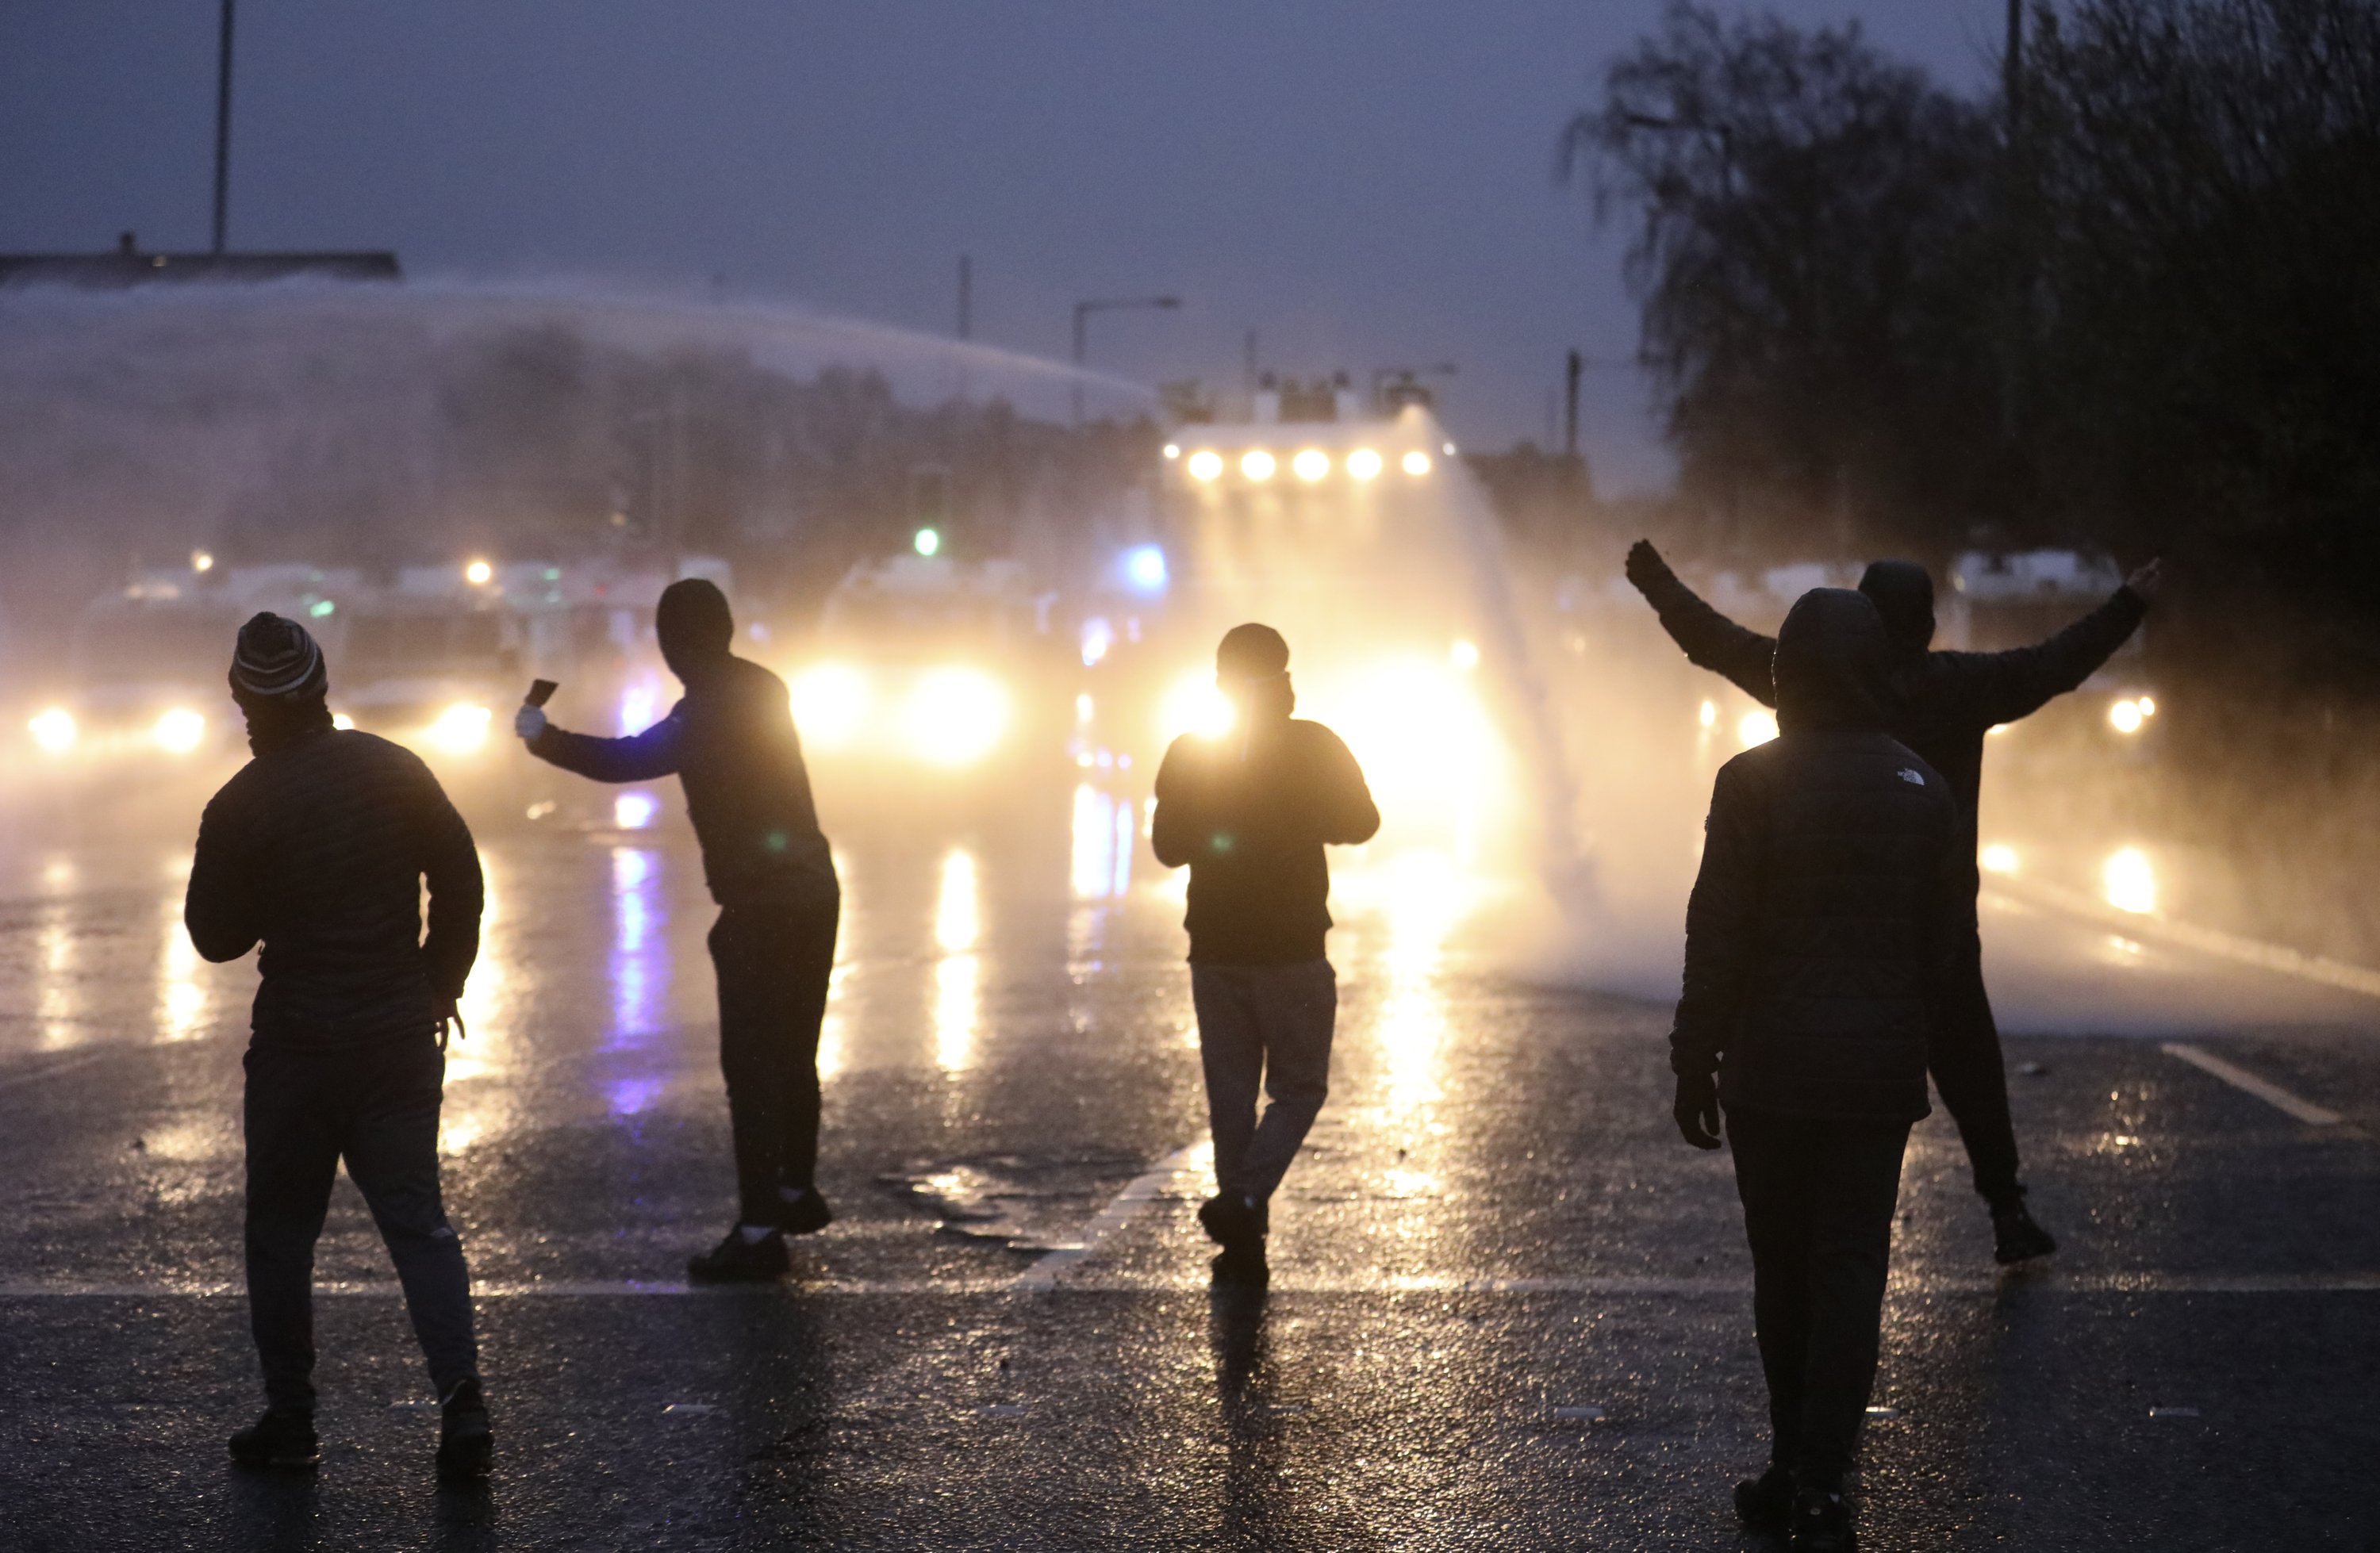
column 1081, row 340
column 223, row 127
column 1571, row 367
column 967, row 297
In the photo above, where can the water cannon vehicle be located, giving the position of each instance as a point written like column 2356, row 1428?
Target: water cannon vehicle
column 2001, row 599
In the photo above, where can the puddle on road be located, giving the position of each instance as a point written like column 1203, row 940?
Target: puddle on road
column 1024, row 1203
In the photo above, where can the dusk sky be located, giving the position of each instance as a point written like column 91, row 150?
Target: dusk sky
column 1364, row 183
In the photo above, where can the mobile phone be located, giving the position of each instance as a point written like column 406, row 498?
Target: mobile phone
column 541, row 691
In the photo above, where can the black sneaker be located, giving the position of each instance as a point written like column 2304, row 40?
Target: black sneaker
column 280, row 1438
column 804, row 1215
column 2016, row 1237
column 467, row 1446
column 1765, row 1503
column 1233, row 1223
column 1242, row 1266
column 1822, row 1522
column 737, row 1260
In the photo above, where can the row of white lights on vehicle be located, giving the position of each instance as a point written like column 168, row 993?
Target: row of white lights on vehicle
column 949, row 716
column 177, row 731
column 2128, row 878
column 1310, row 465
column 2132, row 714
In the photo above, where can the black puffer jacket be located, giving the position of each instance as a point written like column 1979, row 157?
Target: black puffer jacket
column 1943, row 703
column 318, row 849
column 1817, row 936
column 731, row 741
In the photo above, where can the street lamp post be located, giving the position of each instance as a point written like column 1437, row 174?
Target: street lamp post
column 223, row 126
column 1082, row 311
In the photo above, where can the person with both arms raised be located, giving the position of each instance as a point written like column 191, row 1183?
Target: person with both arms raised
column 1820, row 941
column 731, row 741
column 1250, row 813
column 1942, row 705
column 318, row 849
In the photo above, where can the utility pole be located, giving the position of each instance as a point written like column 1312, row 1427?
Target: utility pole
column 223, row 127
column 967, row 297
column 2012, row 69
column 1571, row 367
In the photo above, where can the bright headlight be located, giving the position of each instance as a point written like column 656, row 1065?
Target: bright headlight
column 1416, row 462
column 1204, row 464
column 2126, row 717
column 1756, row 727
column 955, row 716
column 1364, row 464
column 1256, row 464
column 829, row 703
column 54, row 729
column 1311, row 464
column 179, row 732
column 461, row 728
column 1194, row 705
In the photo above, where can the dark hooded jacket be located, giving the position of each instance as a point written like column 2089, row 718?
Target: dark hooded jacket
column 319, row 848
column 731, row 741
column 1818, row 935
column 1943, row 703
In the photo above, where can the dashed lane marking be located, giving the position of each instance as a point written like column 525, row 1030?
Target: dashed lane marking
column 1188, row 1282
column 2263, row 1089
column 1145, row 1188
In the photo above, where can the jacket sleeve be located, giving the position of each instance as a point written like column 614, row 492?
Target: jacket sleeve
column 1344, row 814
column 451, row 864
column 220, row 908
column 1720, row 923
column 1711, row 640
column 1996, row 688
column 1175, row 830
column 659, row 751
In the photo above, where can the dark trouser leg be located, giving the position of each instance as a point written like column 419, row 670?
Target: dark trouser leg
column 773, row 965
column 1773, row 1167
column 293, row 1125
column 392, row 1158
column 1972, row 1080
column 1231, row 1051
column 1853, row 1187
column 1296, row 1008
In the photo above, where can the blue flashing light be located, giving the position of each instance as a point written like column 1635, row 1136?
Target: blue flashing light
column 1144, row 567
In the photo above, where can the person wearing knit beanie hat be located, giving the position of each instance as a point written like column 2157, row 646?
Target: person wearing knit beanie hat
column 276, row 660
column 316, row 853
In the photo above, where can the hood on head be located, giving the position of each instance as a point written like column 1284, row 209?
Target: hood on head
column 693, row 624
column 1834, row 662
column 1904, row 595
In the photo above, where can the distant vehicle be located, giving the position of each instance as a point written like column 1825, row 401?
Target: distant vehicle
column 146, row 663
column 2003, row 600
column 929, row 666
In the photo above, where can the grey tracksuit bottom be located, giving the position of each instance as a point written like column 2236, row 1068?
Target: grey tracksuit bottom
column 1263, row 1028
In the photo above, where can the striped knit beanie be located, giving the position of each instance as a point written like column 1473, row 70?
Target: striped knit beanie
column 276, row 660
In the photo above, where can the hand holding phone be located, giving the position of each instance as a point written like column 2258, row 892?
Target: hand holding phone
column 540, row 692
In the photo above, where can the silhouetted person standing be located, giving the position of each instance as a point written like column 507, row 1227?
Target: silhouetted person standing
column 1250, row 813
column 1941, row 705
column 731, row 741
column 317, row 849
column 1818, row 941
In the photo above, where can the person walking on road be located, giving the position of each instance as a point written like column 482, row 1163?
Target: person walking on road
column 731, row 741
column 1250, row 812
column 1942, row 705
column 317, row 849
column 1819, row 938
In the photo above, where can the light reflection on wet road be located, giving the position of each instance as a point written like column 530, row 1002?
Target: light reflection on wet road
column 1494, row 1223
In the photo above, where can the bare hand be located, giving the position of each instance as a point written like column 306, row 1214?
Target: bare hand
column 529, row 722
column 449, row 1014
column 2146, row 579
column 1645, row 565
column 1695, row 1110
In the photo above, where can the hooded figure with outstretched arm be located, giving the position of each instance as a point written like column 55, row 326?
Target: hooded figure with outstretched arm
column 731, row 741
column 1819, row 940
column 1941, row 705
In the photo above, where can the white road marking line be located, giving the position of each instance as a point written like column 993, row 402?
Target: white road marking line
column 2240, row 1078
column 1145, row 1188
column 2206, row 940
column 1189, row 1283
column 67, row 1065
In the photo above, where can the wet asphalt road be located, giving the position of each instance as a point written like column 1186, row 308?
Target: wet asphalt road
column 1508, row 1308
